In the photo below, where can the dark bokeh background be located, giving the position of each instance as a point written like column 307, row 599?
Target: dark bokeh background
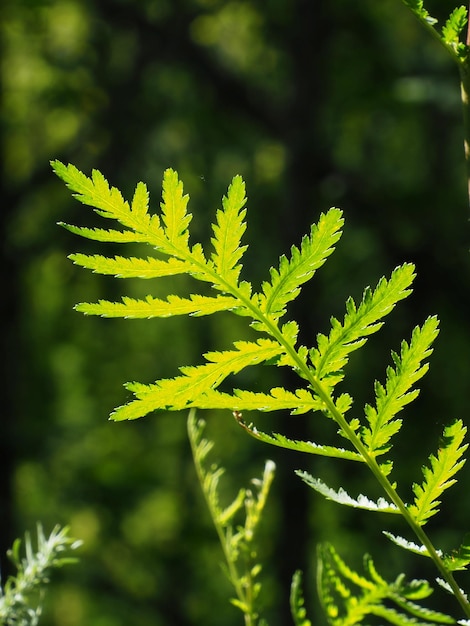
column 317, row 104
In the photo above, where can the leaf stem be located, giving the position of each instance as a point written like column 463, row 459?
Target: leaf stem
column 468, row 27
column 465, row 96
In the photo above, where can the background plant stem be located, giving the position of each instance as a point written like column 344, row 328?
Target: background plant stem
column 465, row 95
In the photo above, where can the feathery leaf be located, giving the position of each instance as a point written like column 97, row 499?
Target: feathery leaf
column 342, row 497
column 174, row 214
column 154, row 307
column 314, row 250
column 278, row 399
column 396, row 393
column 310, row 447
column 188, row 390
column 333, row 351
column 452, row 31
column 460, row 558
column 349, row 598
column 109, row 203
column 417, row 6
column 438, row 476
column 409, row 545
column 228, row 231
column 131, row 267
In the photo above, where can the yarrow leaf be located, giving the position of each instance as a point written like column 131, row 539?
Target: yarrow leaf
column 460, row 558
column 297, row 402
column 332, row 353
column 168, row 233
column 309, row 447
column 409, row 545
column 188, row 390
column 292, row 273
column 228, row 231
column 321, row 368
column 342, row 497
column 417, row 6
column 453, row 29
column 132, row 308
column 397, row 392
column 174, row 214
column 438, row 476
column 450, row 35
column 349, row 598
column 132, row 267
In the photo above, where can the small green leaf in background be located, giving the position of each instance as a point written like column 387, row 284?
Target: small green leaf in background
column 237, row 536
column 21, row 598
column 349, row 598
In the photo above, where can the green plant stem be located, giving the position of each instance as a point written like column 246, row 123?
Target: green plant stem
column 468, row 28
column 464, row 69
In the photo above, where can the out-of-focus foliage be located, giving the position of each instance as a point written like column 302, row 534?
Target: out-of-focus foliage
column 22, row 596
column 238, row 540
column 315, row 104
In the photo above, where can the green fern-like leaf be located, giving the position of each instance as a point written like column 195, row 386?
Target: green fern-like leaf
column 417, row 6
column 292, row 273
column 459, row 559
column 452, row 31
column 278, row 399
column 321, row 368
column 438, row 476
column 131, row 308
column 409, row 545
column 332, row 353
column 408, row 369
column 188, row 390
column 450, row 36
column 342, row 497
column 131, row 267
column 174, row 214
column 228, row 232
column 168, row 233
column 309, row 447
column 349, row 598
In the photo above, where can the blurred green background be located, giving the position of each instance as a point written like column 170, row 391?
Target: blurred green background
column 317, row 103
